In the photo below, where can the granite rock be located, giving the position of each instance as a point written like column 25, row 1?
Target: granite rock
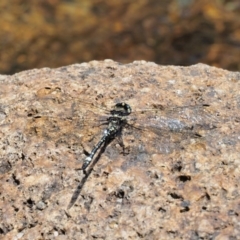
column 163, row 185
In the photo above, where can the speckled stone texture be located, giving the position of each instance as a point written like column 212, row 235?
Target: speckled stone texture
column 163, row 185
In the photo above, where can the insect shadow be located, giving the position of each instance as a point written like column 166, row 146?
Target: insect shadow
column 87, row 174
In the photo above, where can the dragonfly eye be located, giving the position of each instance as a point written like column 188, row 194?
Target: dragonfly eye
column 121, row 109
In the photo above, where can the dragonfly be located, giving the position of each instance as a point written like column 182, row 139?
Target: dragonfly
column 169, row 128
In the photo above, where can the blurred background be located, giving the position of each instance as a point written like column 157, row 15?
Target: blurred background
column 53, row 33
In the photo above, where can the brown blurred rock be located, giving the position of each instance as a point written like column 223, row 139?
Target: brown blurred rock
column 54, row 33
column 191, row 192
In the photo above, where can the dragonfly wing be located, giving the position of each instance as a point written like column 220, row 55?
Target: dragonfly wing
column 179, row 117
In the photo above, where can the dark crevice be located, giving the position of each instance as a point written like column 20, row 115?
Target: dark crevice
column 186, row 209
column 176, row 196
column 22, row 156
column 29, row 203
column 15, row 209
column 184, row 178
column 172, row 233
column 61, row 231
column 16, row 181
column 105, row 174
column 120, row 193
column 207, row 196
column 161, row 210
column 177, row 167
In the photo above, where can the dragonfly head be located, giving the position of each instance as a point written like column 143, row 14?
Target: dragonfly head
column 121, row 109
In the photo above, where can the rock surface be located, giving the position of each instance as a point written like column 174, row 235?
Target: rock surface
column 167, row 185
